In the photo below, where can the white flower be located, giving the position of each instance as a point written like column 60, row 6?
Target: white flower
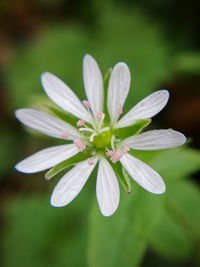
column 95, row 134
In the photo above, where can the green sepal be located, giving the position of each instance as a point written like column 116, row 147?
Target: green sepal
column 122, row 175
column 66, row 164
column 133, row 129
column 62, row 115
column 105, row 84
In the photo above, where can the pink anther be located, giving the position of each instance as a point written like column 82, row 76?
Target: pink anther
column 120, row 109
column 125, row 149
column 117, row 156
column 110, row 153
column 99, row 114
column 90, row 161
column 79, row 144
column 86, row 103
column 65, row 134
column 80, row 123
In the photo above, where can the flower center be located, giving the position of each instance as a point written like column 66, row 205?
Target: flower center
column 97, row 134
column 103, row 139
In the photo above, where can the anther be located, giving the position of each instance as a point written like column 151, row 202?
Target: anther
column 120, row 109
column 65, row 134
column 80, row 123
column 79, row 144
column 125, row 149
column 99, row 114
column 116, row 155
column 86, row 104
column 110, row 153
column 90, row 161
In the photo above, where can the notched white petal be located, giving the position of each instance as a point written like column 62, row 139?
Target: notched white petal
column 107, row 188
column 118, row 89
column 46, row 158
column 155, row 140
column 144, row 175
column 63, row 96
column 93, row 83
column 71, row 184
column 145, row 109
column 46, row 123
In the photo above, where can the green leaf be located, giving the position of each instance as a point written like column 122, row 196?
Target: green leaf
column 124, row 236
column 132, row 130
column 178, row 234
column 106, row 82
column 186, row 203
column 62, row 115
column 169, row 240
column 58, row 233
column 176, row 163
column 66, row 164
column 122, row 175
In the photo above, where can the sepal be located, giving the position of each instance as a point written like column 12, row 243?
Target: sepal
column 66, row 164
column 122, row 175
column 133, row 129
column 62, row 115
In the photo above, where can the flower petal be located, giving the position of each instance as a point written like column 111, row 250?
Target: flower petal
column 144, row 175
column 46, row 158
column 71, row 184
column 93, row 83
column 45, row 123
column 145, row 109
column 118, row 89
column 63, row 96
column 107, row 188
column 155, row 140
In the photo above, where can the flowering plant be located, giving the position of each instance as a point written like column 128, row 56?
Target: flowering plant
column 100, row 134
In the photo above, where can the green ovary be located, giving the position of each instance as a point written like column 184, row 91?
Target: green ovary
column 102, row 140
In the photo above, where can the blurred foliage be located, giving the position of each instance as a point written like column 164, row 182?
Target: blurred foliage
column 168, row 223
column 35, row 234
column 120, row 36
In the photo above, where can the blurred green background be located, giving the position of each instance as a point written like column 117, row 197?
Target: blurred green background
column 160, row 42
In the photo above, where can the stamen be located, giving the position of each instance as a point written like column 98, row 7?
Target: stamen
column 120, row 109
column 112, row 142
column 104, row 129
column 92, row 137
column 80, row 123
column 110, row 153
column 116, row 155
column 79, row 144
column 125, row 149
column 90, row 161
column 65, row 134
column 84, row 129
column 86, row 104
column 101, row 121
column 99, row 114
